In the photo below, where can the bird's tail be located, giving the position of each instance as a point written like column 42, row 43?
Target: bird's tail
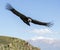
column 9, row 7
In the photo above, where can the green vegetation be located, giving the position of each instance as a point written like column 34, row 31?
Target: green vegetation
column 11, row 43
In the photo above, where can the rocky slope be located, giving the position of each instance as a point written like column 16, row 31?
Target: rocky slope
column 11, row 43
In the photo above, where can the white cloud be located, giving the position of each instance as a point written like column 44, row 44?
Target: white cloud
column 41, row 37
column 47, row 35
column 41, row 31
column 44, row 39
column 44, row 34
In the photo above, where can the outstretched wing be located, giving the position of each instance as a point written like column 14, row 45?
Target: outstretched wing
column 41, row 23
column 20, row 15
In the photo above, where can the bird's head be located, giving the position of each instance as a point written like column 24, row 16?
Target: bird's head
column 29, row 19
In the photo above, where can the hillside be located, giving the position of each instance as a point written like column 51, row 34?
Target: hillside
column 11, row 43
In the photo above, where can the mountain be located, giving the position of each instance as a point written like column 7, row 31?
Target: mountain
column 11, row 43
column 46, row 44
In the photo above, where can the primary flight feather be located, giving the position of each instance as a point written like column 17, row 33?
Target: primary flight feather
column 26, row 19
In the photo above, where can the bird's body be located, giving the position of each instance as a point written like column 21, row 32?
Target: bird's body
column 26, row 19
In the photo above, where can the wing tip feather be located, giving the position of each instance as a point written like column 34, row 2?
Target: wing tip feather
column 9, row 7
column 49, row 24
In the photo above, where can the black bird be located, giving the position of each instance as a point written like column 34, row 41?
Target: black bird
column 26, row 19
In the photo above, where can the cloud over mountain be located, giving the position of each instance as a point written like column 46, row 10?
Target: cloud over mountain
column 45, row 43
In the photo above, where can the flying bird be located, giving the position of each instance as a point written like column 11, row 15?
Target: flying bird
column 26, row 19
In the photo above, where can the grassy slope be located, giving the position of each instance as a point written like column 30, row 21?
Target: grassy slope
column 11, row 43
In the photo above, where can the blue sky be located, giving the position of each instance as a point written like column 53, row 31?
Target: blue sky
column 42, row 10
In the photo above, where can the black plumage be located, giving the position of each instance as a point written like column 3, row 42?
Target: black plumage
column 26, row 19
